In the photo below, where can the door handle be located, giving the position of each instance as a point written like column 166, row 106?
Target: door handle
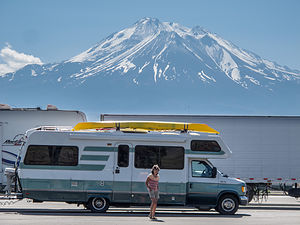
column 117, row 170
column 191, row 185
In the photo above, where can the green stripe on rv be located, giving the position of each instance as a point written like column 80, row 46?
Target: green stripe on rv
column 95, row 157
column 53, row 185
column 98, row 185
column 99, row 149
column 188, row 151
column 83, row 167
column 112, row 149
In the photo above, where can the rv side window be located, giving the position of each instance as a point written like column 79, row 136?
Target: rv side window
column 201, row 169
column 51, row 155
column 167, row 157
column 171, row 157
column 146, row 156
column 205, row 146
column 123, row 155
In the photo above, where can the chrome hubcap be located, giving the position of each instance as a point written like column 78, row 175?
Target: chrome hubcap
column 98, row 203
column 228, row 204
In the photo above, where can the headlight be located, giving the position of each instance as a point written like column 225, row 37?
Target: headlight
column 244, row 189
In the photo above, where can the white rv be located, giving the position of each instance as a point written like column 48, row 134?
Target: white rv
column 14, row 122
column 103, row 164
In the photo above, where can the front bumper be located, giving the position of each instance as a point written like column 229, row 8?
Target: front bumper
column 243, row 200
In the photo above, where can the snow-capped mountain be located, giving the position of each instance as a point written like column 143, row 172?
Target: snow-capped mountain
column 167, row 57
column 170, row 51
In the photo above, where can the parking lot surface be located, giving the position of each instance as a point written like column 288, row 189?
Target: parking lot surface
column 277, row 210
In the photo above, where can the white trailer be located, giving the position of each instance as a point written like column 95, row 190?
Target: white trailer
column 14, row 122
column 266, row 149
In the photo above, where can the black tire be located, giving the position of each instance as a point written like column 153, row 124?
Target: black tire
column 250, row 193
column 98, row 204
column 227, row 205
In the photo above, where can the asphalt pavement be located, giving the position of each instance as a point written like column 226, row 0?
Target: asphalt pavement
column 276, row 210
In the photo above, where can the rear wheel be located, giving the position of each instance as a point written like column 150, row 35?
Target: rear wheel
column 227, row 205
column 98, row 204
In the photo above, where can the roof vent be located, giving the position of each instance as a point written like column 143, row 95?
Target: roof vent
column 51, row 107
column 5, row 106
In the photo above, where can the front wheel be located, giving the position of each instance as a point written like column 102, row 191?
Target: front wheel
column 227, row 205
column 98, row 204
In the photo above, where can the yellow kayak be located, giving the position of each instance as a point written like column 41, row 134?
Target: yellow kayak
column 146, row 125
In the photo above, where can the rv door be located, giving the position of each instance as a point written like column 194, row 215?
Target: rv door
column 122, row 173
column 202, row 188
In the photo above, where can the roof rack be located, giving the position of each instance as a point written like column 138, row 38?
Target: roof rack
column 146, row 125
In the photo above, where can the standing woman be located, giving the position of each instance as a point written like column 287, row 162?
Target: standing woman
column 152, row 186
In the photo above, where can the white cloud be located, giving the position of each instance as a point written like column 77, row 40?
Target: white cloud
column 14, row 60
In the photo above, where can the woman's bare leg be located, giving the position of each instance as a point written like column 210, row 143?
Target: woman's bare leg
column 154, row 207
column 151, row 208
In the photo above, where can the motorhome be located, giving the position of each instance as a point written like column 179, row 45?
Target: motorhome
column 14, row 122
column 106, row 164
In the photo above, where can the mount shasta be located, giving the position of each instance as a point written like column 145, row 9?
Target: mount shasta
column 159, row 67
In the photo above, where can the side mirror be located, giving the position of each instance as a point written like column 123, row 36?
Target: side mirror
column 214, row 172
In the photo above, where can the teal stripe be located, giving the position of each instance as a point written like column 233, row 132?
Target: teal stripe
column 90, row 167
column 82, row 167
column 112, row 149
column 81, row 190
column 82, row 196
column 86, row 185
column 104, row 149
column 95, row 157
column 99, row 149
column 188, row 151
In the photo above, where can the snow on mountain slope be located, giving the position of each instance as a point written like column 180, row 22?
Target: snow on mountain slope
column 162, row 47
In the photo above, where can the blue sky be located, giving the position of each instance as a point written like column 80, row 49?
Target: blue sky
column 55, row 30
